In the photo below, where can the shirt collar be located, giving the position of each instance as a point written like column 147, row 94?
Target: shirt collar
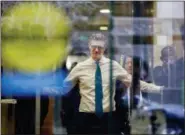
column 101, row 61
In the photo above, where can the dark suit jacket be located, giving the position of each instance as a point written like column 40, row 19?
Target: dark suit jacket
column 180, row 71
column 70, row 105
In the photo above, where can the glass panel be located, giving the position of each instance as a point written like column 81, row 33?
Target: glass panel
column 137, row 39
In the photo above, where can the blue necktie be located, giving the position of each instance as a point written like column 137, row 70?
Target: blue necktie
column 98, row 91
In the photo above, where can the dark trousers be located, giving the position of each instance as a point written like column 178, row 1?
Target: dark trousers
column 124, row 123
column 89, row 123
column 72, row 124
column 25, row 114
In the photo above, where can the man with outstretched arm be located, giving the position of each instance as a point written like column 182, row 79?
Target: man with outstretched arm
column 93, row 76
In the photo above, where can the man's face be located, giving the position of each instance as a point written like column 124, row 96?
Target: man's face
column 128, row 65
column 97, row 49
column 168, row 59
column 168, row 56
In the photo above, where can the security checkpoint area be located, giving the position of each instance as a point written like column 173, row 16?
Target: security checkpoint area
column 92, row 67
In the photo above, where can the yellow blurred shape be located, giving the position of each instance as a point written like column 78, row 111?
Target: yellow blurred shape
column 34, row 37
column 35, row 19
column 33, row 55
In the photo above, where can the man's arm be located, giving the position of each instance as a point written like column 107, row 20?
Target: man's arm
column 126, row 78
column 149, row 87
column 71, row 80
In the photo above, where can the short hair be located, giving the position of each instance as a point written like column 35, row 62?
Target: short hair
column 167, row 50
column 98, row 36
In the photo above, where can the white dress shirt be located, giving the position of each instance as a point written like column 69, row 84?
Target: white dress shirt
column 84, row 73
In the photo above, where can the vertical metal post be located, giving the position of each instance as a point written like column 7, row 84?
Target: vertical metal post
column 37, row 113
column 136, row 41
column 183, row 39
column 111, row 53
column 111, row 50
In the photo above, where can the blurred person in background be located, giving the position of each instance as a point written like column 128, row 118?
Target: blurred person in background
column 70, row 102
column 93, row 78
column 180, row 62
column 180, row 67
column 165, row 74
column 121, row 90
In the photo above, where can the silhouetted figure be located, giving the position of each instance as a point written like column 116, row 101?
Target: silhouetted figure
column 165, row 75
column 121, row 90
column 70, row 105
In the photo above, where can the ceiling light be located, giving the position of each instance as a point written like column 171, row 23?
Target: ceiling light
column 105, row 11
column 103, row 28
